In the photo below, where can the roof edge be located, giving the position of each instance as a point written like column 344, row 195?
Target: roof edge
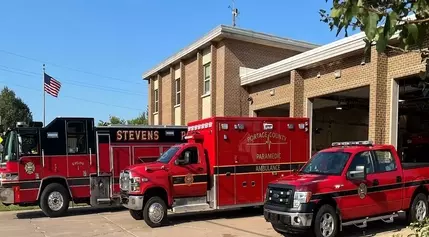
column 228, row 31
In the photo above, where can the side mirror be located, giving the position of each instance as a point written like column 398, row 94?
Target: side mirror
column 358, row 174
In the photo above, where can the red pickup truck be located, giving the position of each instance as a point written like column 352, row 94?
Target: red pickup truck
column 350, row 183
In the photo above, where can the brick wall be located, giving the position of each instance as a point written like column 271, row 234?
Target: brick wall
column 167, row 103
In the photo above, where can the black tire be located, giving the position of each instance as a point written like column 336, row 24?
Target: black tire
column 412, row 213
column 326, row 210
column 137, row 215
column 64, row 194
column 149, row 203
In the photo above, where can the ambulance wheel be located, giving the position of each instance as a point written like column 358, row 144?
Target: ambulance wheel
column 326, row 222
column 419, row 208
column 137, row 215
column 155, row 212
column 54, row 200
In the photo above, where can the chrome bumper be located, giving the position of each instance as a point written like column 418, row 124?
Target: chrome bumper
column 294, row 219
column 134, row 203
column 7, row 196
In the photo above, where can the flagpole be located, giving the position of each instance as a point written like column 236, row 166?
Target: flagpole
column 44, row 99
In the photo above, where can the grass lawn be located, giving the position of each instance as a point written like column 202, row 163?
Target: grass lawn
column 16, row 208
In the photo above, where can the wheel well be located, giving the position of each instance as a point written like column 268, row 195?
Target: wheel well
column 420, row 189
column 328, row 201
column 48, row 181
column 157, row 191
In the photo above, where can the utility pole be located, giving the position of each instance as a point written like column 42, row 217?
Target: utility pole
column 234, row 13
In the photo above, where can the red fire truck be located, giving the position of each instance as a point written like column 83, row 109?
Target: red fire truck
column 226, row 163
column 70, row 159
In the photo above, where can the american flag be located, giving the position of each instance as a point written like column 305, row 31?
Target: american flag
column 52, row 86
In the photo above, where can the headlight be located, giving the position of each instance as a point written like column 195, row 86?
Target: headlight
column 301, row 198
column 135, row 183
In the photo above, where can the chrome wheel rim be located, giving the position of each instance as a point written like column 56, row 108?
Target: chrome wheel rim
column 55, row 201
column 327, row 225
column 421, row 210
column 156, row 213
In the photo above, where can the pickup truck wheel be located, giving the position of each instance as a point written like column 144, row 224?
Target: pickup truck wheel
column 137, row 215
column 54, row 200
column 155, row 212
column 326, row 222
column 419, row 208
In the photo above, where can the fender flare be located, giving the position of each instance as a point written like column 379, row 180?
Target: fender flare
column 53, row 177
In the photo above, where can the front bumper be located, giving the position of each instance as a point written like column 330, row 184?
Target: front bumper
column 133, row 202
column 294, row 221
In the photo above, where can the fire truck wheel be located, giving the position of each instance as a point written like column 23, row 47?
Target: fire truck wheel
column 155, row 212
column 326, row 222
column 137, row 215
column 419, row 208
column 54, row 200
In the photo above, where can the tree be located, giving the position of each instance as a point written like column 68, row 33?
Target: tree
column 380, row 20
column 12, row 110
column 114, row 120
column 140, row 120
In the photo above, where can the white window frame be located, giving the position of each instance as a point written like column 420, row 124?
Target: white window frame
column 207, row 78
column 177, row 87
column 156, row 100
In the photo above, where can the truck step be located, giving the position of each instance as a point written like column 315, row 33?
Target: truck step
column 189, row 201
column 192, row 208
column 362, row 223
column 104, row 201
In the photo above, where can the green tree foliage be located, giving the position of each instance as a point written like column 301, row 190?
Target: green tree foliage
column 380, row 20
column 12, row 109
column 114, row 120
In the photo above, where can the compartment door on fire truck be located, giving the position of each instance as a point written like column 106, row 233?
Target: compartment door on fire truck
column 104, row 165
column 189, row 173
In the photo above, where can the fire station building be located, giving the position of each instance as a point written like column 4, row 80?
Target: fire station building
column 346, row 93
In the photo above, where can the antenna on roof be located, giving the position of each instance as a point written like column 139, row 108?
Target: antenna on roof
column 234, row 13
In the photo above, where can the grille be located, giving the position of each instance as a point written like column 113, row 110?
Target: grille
column 277, row 195
column 124, row 181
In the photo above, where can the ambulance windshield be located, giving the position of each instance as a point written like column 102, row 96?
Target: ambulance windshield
column 327, row 163
column 168, row 155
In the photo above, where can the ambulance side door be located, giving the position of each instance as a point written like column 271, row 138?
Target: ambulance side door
column 188, row 173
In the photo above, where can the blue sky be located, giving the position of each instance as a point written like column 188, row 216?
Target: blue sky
column 99, row 49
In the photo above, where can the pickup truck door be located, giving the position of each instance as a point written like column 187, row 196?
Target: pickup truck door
column 387, row 181
column 188, row 173
column 359, row 202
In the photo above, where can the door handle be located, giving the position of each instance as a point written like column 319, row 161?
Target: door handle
column 375, row 182
column 244, row 184
column 398, row 179
column 253, row 183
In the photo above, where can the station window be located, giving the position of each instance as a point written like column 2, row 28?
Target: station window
column 156, row 99
column 207, row 78
column 76, row 138
column 177, row 89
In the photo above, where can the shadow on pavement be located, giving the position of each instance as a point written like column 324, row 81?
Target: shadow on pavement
column 77, row 211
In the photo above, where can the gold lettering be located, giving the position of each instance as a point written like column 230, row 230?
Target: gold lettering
column 125, row 135
column 118, row 135
column 156, row 135
column 148, row 135
column 138, row 133
column 260, row 135
column 131, row 135
column 268, row 156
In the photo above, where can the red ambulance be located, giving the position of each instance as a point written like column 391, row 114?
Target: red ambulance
column 227, row 162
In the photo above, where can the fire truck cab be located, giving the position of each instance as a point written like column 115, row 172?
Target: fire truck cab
column 71, row 159
column 226, row 163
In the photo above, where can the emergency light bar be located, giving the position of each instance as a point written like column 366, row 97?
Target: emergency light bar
column 353, row 143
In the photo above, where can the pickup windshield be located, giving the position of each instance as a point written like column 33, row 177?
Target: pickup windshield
column 168, row 155
column 327, row 163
